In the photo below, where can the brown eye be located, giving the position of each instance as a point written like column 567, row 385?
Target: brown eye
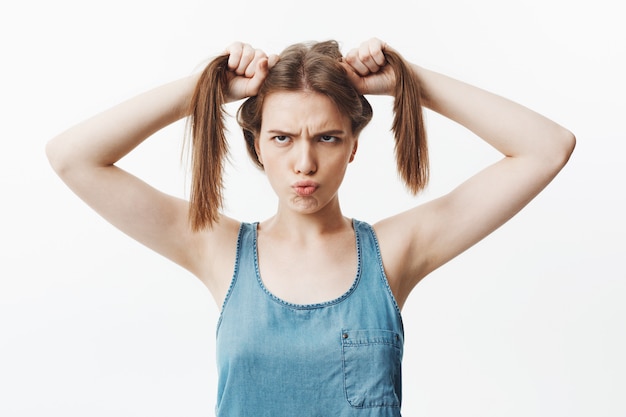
column 281, row 139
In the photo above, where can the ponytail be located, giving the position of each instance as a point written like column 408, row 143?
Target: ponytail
column 408, row 126
column 209, row 147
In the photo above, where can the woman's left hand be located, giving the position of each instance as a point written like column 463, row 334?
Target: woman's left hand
column 368, row 70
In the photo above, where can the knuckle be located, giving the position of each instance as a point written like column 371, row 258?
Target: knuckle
column 351, row 58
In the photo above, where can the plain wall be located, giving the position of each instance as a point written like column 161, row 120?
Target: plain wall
column 529, row 322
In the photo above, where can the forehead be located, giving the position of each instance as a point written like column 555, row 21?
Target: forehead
column 298, row 109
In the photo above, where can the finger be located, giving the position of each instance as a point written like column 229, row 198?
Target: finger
column 247, row 56
column 252, row 67
column 365, row 56
column 377, row 51
column 234, row 52
column 355, row 79
column 260, row 73
column 353, row 60
column 272, row 60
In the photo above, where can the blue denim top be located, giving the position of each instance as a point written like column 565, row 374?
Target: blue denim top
column 337, row 358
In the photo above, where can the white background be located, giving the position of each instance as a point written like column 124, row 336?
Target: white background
column 530, row 322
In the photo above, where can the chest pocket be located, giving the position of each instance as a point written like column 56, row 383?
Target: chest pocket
column 372, row 367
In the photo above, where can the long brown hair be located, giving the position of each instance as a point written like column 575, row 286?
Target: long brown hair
column 408, row 125
column 303, row 66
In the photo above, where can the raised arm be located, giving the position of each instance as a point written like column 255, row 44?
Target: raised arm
column 85, row 155
column 534, row 150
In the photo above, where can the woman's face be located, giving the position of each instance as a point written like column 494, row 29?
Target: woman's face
column 305, row 144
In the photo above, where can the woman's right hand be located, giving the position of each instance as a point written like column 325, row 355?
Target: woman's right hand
column 248, row 68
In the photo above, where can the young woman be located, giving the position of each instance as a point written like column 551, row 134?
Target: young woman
column 310, row 322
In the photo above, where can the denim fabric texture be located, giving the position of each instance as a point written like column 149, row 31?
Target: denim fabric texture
column 337, row 358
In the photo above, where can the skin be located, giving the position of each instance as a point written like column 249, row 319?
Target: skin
column 309, row 237
column 305, row 140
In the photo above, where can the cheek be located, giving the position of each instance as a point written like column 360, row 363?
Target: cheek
column 257, row 149
column 273, row 165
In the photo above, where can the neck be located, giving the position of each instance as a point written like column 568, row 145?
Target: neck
column 287, row 222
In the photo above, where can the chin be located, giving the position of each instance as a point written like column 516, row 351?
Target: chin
column 305, row 205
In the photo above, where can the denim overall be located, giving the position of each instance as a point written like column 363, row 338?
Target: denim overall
column 332, row 359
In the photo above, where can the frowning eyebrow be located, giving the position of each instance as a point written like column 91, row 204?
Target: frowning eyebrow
column 332, row 132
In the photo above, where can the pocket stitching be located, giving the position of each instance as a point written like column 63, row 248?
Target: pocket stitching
column 372, row 337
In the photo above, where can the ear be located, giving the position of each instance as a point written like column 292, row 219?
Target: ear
column 354, row 148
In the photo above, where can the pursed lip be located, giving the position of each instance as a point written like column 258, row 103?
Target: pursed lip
column 304, row 188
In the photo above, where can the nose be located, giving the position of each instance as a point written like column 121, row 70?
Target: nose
column 306, row 161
